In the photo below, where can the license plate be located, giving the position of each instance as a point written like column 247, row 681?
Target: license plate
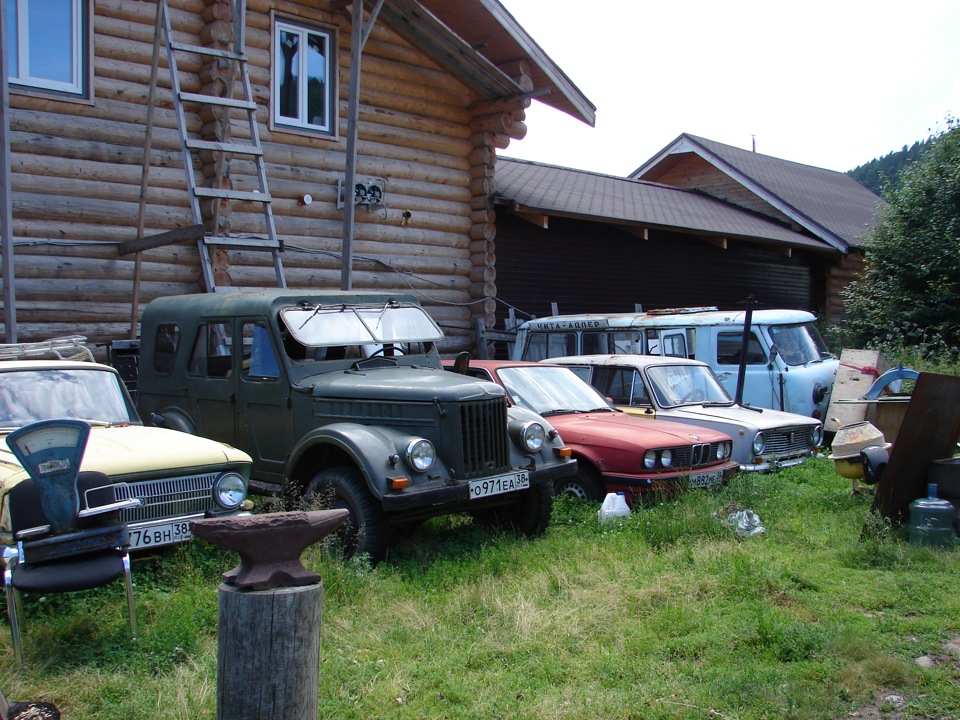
column 500, row 484
column 702, row 480
column 159, row 535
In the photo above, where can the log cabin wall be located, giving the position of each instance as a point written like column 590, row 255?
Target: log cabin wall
column 76, row 171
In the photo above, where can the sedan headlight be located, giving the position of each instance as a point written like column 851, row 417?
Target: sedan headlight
column 721, row 451
column 759, row 444
column 229, row 490
column 666, row 458
column 421, row 454
column 816, row 437
column 650, row 459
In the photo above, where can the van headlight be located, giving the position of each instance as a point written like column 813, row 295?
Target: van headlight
column 759, row 444
column 530, row 436
column 421, row 454
column 229, row 490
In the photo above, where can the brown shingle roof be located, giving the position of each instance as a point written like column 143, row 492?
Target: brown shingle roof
column 831, row 205
column 604, row 198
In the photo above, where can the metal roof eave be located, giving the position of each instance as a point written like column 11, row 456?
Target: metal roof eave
column 812, row 244
column 579, row 106
column 426, row 32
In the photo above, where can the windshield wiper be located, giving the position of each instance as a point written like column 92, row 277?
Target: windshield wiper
column 717, row 403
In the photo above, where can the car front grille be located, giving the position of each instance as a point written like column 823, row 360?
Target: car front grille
column 787, row 441
column 483, row 439
column 695, row 455
column 167, row 497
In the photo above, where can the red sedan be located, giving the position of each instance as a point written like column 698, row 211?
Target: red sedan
column 615, row 451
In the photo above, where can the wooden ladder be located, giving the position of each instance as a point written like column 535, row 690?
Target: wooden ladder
column 210, row 242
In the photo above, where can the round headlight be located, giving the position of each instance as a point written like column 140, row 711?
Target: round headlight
column 421, row 454
column 532, row 435
column 229, row 490
column 666, row 458
column 650, row 459
column 759, row 444
column 729, row 446
column 817, row 435
column 721, row 451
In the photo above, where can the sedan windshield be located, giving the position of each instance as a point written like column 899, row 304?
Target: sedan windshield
column 28, row 396
column 676, row 385
column 551, row 390
column 799, row 344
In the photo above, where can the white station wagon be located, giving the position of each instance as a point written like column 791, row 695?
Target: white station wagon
column 688, row 391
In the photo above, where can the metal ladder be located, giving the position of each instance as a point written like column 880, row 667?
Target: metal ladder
column 210, row 242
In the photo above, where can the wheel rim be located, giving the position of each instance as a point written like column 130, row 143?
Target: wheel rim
column 573, row 488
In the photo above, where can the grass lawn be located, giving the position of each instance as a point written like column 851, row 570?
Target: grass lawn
column 667, row 614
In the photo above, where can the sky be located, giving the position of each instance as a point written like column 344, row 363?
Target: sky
column 830, row 84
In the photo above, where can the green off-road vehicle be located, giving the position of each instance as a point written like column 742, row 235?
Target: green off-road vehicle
column 341, row 400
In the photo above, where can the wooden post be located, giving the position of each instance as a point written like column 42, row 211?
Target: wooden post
column 268, row 652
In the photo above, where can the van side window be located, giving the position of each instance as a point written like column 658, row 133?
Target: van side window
column 602, row 343
column 541, row 346
column 728, row 349
column 211, row 350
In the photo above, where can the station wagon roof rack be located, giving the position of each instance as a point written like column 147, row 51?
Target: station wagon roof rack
column 68, row 347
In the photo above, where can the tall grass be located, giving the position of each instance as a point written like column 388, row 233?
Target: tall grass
column 665, row 614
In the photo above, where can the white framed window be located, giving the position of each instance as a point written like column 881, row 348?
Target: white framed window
column 48, row 45
column 304, row 79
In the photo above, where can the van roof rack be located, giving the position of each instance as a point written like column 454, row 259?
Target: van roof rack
column 681, row 310
column 68, row 347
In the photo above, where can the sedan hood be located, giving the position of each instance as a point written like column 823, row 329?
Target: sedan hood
column 609, row 429
column 750, row 420
column 125, row 450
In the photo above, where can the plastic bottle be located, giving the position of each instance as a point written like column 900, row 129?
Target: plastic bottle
column 614, row 505
column 931, row 521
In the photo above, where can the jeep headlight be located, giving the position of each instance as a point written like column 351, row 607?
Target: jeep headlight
column 759, row 444
column 531, row 436
column 229, row 490
column 816, row 437
column 421, row 454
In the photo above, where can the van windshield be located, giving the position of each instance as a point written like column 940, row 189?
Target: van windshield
column 799, row 344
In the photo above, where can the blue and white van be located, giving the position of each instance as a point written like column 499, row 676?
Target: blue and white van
column 788, row 366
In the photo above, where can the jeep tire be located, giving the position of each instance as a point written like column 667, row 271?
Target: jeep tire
column 366, row 531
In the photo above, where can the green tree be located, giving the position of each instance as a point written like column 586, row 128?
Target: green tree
column 910, row 289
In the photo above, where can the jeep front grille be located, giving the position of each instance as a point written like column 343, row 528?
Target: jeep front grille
column 167, row 497
column 694, row 455
column 787, row 441
column 483, row 439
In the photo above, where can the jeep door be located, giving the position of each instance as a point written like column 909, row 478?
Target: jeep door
column 264, row 426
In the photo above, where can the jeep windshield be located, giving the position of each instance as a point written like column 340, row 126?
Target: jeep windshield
column 551, row 391
column 338, row 325
column 28, row 396
column 677, row 385
column 799, row 344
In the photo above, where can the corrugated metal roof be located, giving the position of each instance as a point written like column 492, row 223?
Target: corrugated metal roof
column 829, row 204
column 550, row 189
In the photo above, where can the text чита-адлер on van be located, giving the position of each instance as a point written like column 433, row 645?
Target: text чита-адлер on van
column 788, row 366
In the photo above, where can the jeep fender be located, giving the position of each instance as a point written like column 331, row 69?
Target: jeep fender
column 176, row 419
column 369, row 448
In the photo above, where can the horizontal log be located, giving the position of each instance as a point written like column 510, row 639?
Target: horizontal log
column 32, row 205
column 483, row 186
column 483, row 275
column 483, row 231
column 494, row 123
column 518, row 131
column 482, row 247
